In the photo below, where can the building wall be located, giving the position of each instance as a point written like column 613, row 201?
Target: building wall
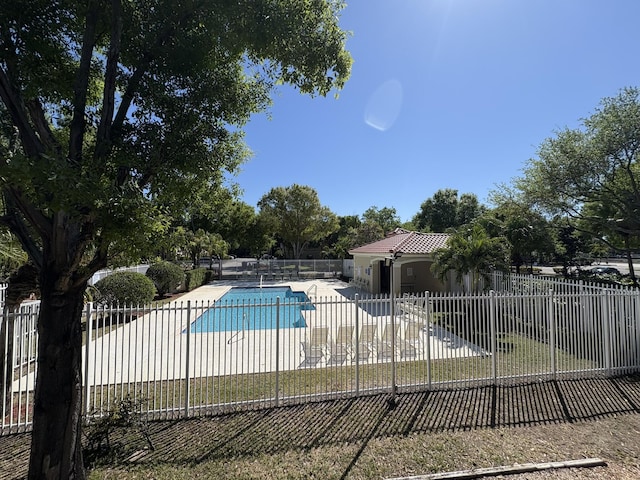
column 363, row 272
column 415, row 276
column 418, row 277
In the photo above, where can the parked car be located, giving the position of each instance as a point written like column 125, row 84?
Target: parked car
column 605, row 271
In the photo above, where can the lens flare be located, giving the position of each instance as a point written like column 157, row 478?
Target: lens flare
column 384, row 105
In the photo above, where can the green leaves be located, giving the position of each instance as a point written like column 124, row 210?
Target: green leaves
column 295, row 214
column 130, row 113
column 386, row 217
column 471, row 251
column 444, row 210
column 592, row 174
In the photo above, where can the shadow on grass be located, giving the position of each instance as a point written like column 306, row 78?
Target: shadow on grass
column 357, row 421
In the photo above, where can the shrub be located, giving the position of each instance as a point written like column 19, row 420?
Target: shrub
column 125, row 288
column 126, row 414
column 197, row 277
column 194, row 278
column 166, row 276
column 210, row 276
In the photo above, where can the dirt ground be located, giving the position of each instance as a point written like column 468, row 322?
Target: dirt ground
column 426, row 433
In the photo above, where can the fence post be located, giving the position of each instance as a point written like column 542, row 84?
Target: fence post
column 87, row 355
column 357, row 345
column 552, row 333
column 187, row 389
column 606, row 330
column 6, row 350
column 493, row 332
column 392, row 299
column 277, row 392
column 636, row 327
column 427, row 326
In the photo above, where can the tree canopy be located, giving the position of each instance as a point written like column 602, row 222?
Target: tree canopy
column 115, row 116
column 591, row 174
column 471, row 251
column 445, row 210
column 527, row 232
column 296, row 216
column 387, row 218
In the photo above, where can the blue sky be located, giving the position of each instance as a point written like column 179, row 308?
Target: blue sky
column 443, row 94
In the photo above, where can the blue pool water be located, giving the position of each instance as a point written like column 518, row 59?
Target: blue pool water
column 254, row 309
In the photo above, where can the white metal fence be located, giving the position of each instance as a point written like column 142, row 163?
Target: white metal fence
column 189, row 358
column 278, row 269
column 99, row 275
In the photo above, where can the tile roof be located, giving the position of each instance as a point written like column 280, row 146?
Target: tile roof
column 405, row 241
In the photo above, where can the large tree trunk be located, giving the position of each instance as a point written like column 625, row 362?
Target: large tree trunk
column 56, row 451
column 632, row 272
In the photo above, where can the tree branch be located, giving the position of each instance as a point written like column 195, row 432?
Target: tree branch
column 98, row 261
column 41, row 125
column 17, row 226
column 141, row 70
column 103, row 140
column 35, row 218
column 19, row 116
column 77, row 127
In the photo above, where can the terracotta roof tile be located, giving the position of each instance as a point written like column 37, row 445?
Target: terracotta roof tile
column 406, row 242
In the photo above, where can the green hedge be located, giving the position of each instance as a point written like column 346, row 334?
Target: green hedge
column 527, row 270
column 197, row 277
column 125, row 288
column 166, row 276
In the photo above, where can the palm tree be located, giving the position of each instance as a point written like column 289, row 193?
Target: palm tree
column 12, row 256
column 215, row 246
column 471, row 251
column 11, row 253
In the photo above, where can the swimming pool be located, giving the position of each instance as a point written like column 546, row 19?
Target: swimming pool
column 254, row 309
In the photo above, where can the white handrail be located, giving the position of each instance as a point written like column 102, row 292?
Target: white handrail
column 313, row 287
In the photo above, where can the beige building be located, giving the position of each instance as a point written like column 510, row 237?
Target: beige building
column 406, row 255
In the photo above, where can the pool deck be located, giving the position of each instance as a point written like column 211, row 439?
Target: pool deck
column 319, row 288
column 152, row 348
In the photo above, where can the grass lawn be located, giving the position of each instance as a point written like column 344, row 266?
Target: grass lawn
column 524, row 357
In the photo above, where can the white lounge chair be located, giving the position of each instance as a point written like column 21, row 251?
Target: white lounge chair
column 367, row 341
column 315, row 347
column 385, row 342
column 412, row 342
column 342, row 345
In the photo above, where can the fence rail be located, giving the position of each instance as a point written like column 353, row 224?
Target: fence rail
column 99, row 275
column 193, row 358
column 283, row 269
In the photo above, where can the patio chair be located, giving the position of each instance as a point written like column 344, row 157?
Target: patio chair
column 315, row 347
column 414, row 308
column 385, row 342
column 367, row 341
column 342, row 345
column 412, row 342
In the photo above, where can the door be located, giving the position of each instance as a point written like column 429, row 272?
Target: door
column 385, row 277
